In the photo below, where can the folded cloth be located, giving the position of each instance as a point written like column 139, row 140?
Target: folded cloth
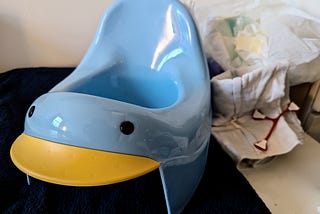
column 236, row 95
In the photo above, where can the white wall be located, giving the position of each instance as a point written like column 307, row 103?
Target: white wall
column 58, row 32
column 46, row 32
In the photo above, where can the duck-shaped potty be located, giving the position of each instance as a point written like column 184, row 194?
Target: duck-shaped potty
column 138, row 101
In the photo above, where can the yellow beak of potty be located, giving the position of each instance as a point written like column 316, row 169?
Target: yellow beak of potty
column 139, row 100
column 69, row 165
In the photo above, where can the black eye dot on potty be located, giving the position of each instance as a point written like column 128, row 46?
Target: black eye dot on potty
column 126, row 127
column 31, row 110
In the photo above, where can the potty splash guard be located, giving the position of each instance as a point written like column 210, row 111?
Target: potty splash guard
column 138, row 101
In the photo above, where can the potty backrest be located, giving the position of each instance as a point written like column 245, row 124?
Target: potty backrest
column 152, row 39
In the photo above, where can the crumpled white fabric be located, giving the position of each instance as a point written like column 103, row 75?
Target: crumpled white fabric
column 236, row 94
column 254, row 32
column 264, row 46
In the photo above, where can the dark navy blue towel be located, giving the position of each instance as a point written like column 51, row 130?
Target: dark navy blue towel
column 222, row 189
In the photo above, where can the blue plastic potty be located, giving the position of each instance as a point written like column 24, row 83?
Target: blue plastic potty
column 139, row 100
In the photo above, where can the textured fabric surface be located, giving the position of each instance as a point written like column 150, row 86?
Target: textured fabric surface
column 223, row 189
column 236, row 95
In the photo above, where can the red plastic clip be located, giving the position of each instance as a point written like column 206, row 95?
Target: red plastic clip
column 257, row 115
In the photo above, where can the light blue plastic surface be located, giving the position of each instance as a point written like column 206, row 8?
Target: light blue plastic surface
column 146, row 66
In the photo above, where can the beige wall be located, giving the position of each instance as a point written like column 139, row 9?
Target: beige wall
column 47, row 32
column 57, row 32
